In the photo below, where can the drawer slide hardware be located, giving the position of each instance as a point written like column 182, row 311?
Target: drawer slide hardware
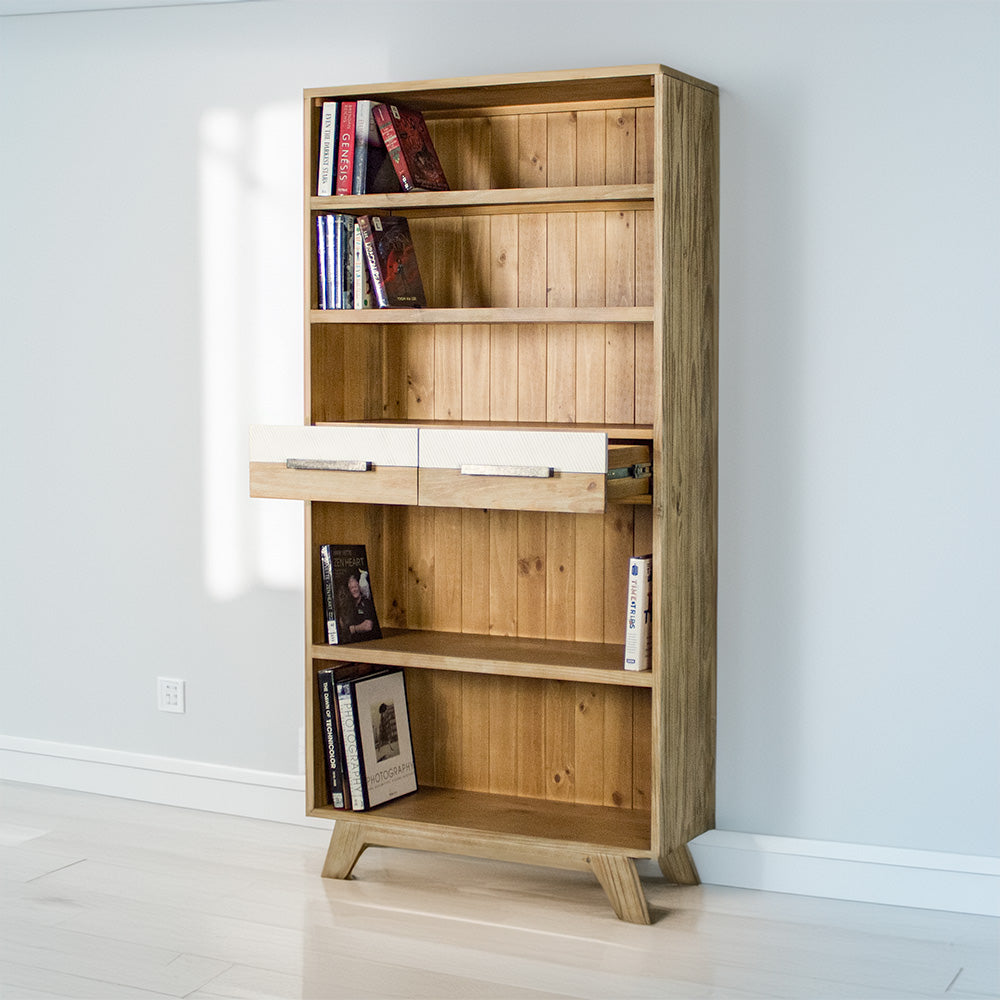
column 641, row 470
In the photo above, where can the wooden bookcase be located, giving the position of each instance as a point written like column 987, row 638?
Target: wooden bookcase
column 572, row 284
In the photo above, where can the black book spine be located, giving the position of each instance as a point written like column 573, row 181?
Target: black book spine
column 329, row 611
column 332, row 758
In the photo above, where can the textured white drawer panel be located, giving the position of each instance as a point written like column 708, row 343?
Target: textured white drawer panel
column 561, row 451
column 349, row 442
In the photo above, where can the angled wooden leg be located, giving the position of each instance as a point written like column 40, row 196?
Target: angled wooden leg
column 678, row 867
column 346, row 846
column 620, row 881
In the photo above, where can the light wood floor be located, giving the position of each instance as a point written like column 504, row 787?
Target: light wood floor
column 106, row 898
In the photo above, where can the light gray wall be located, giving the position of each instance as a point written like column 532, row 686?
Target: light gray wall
column 150, row 252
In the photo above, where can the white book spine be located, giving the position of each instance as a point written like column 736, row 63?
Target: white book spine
column 639, row 614
column 327, row 148
column 352, row 752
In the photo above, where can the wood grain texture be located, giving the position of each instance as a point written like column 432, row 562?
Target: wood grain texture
column 620, row 881
column 685, row 495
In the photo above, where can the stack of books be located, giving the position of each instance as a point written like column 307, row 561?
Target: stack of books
column 367, row 147
column 368, row 750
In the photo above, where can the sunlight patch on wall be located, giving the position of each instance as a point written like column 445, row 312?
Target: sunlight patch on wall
column 251, row 258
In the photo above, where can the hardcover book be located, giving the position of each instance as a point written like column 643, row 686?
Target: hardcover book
column 364, row 298
column 373, row 169
column 639, row 613
column 348, row 604
column 322, row 269
column 326, row 166
column 331, row 725
column 392, row 262
column 345, row 148
column 378, row 748
column 411, row 150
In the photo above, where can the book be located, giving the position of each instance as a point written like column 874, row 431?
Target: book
column 345, row 148
column 639, row 614
column 348, row 605
column 331, row 726
column 327, row 149
column 411, row 150
column 373, row 169
column 392, row 262
column 322, row 278
column 378, row 748
column 364, row 298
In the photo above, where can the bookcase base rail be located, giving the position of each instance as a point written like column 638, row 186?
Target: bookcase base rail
column 616, row 873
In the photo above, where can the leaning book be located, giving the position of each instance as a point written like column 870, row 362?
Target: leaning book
column 348, row 603
column 378, row 748
column 410, row 147
column 392, row 262
column 639, row 614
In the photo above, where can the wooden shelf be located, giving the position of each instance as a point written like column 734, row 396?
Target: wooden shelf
column 485, row 316
column 508, row 656
column 454, row 813
column 496, row 201
column 615, row 432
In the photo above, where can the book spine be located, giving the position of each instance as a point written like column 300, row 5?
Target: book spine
column 347, row 265
column 329, row 612
column 352, row 751
column 638, row 614
column 331, row 759
column 327, row 149
column 345, row 147
column 362, row 126
column 383, row 116
column 328, row 236
column 362, row 284
column 321, row 261
column 337, row 263
column 374, row 271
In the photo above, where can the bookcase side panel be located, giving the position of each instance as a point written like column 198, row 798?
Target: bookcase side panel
column 685, row 452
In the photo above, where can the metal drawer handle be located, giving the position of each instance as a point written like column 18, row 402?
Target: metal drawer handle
column 328, row 464
column 521, row 471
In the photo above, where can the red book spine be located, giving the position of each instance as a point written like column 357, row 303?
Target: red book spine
column 345, row 147
column 391, row 139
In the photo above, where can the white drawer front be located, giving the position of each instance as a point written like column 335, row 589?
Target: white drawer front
column 347, row 442
column 560, row 451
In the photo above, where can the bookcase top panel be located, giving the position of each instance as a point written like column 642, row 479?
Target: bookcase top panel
column 622, row 83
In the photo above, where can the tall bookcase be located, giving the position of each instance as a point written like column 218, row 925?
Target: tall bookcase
column 572, row 284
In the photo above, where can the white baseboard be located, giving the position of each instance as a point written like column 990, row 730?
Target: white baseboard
column 895, row 876
column 888, row 875
column 234, row 791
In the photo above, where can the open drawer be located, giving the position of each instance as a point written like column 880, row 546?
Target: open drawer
column 500, row 469
column 361, row 463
